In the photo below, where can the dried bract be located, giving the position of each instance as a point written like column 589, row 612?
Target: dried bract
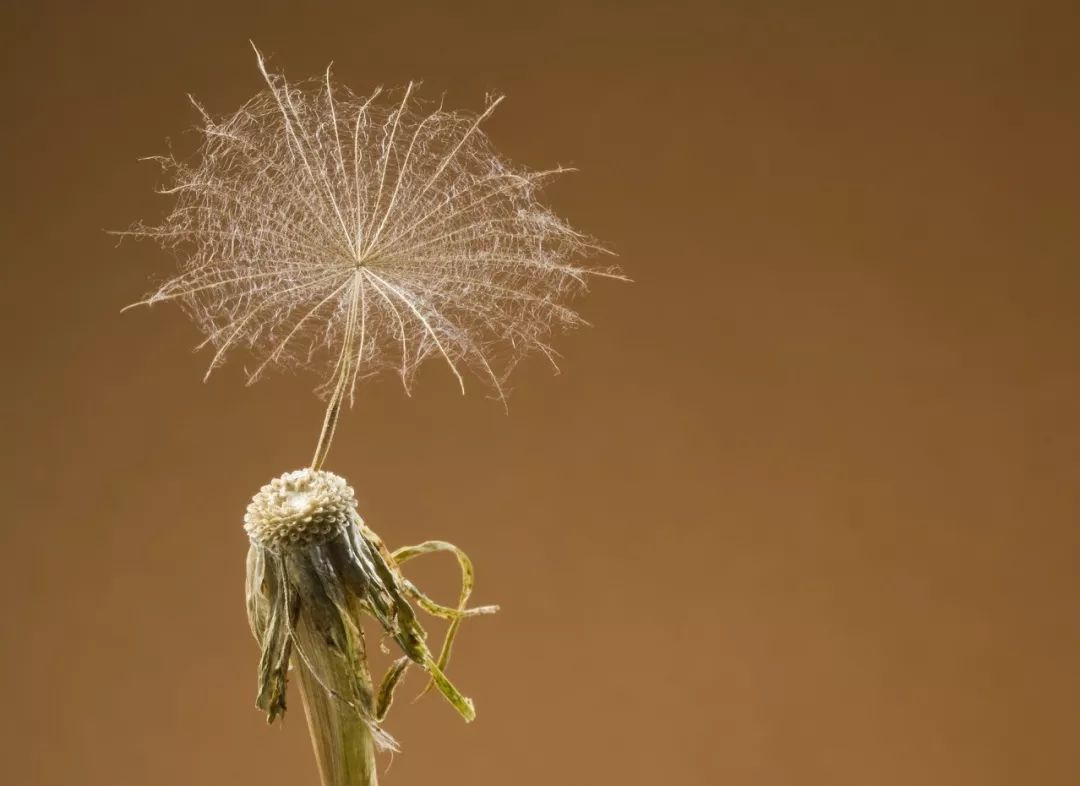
column 314, row 572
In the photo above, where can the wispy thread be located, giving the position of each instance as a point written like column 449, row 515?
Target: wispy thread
column 354, row 234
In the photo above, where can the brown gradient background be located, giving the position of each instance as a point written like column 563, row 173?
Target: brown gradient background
column 802, row 508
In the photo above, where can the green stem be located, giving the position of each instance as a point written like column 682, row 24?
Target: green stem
column 342, row 740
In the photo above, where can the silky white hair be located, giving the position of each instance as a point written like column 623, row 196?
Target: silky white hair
column 353, row 234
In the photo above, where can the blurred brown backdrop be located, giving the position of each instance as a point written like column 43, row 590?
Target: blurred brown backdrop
column 802, row 508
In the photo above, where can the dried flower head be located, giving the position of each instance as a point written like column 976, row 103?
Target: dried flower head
column 315, row 570
column 321, row 228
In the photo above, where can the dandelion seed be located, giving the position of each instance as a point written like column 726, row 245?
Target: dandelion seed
column 348, row 234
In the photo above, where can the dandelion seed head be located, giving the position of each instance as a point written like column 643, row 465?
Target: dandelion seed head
column 322, row 229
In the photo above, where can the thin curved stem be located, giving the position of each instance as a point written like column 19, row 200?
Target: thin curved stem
column 342, row 370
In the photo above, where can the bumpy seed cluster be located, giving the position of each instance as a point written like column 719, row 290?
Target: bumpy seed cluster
column 299, row 508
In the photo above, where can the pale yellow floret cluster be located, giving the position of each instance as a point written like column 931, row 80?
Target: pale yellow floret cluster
column 299, row 508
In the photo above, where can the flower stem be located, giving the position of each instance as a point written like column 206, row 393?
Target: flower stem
column 342, row 740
